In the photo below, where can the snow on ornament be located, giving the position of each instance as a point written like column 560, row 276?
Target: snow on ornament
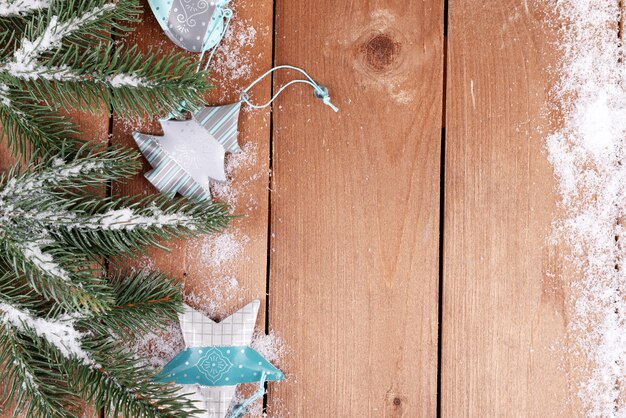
column 195, row 25
column 191, row 152
column 217, row 358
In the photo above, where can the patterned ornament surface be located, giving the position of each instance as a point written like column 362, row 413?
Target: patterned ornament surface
column 195, row 25
column 191, row 152
column 217, row 358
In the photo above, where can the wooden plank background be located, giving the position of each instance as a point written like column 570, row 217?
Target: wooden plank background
column 502, row 313
column 355, row 209
column 399, row 247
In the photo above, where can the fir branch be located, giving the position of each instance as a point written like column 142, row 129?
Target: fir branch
column 127, row 81
column 27, row 378
column 30, row 126
column 60, row 333
column 15, row 8
column 90, row 166
column 57, row 274
column 143, row 303
column 68, row 23
column 125, row 387
column 65, row 59
column 123, row 226
column 128, row 388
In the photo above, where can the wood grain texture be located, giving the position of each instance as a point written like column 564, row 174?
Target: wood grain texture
column 504, row 300
column 190, row 260
column 355, row 209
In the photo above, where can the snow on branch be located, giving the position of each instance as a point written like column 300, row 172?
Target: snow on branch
column 128, row 80
column 60, row 172
column 128, row 219
column 10, row 8
column 24, row 64
column 60, row 333
column 44, row 261
column 4, row 95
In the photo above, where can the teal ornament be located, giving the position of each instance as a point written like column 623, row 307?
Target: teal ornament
column 191, row 152
column 195, row 25
column 219, row 366
column 217, row 357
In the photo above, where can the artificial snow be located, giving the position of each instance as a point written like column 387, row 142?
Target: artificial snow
column 218, row 249
column 25, row 59
column 589, row 155
column 4, row 95
column 237, row 185
column 129, row 219
column 45, row 262
column 10, row 8
column 127, row 80
column 60, row 333
column 214, row 300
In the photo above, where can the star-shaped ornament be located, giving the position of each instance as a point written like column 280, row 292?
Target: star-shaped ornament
column 191, row 152
column 217, row 358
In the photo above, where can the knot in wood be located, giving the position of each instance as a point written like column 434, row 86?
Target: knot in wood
column 381, row 51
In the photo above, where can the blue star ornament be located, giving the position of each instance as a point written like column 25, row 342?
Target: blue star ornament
column 217, row 358
column 191, row 152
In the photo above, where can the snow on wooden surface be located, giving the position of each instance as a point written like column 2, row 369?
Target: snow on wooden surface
column 526, row 315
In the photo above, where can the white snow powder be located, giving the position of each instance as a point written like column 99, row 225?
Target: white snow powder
column 236, row 165
column 220, row 293
column 589, row 158
column 218, row 249
column 4, row 95
column 60, row 333
column 271, row 346
column 24, row 63
column 128, row 80
column 44, row 261
column 10, row 8
column 234, row 60
column 129, row 219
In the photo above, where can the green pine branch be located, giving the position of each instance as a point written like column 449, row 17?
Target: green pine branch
column 61, row 320
column 90, row 362
column 144, row 302
column 64, row 58
column 28, row 382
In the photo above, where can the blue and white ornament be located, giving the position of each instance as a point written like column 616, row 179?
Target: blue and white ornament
column 195, row 25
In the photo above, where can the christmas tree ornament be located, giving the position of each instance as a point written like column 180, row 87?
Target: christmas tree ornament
column 192, row 151
column 195, row 25
column 217, row 358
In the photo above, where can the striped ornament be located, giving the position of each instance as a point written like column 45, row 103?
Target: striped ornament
column 180, row 169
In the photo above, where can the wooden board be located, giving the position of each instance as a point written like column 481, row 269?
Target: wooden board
column 504, row 310
column 355, row 209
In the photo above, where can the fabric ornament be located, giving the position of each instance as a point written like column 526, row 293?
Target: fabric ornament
column 195, row 25
column 192, row 151
column 217, row 358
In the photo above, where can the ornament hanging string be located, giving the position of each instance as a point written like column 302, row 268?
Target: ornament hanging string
column 241, row 409
column 225, row 14
column 319, row 91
